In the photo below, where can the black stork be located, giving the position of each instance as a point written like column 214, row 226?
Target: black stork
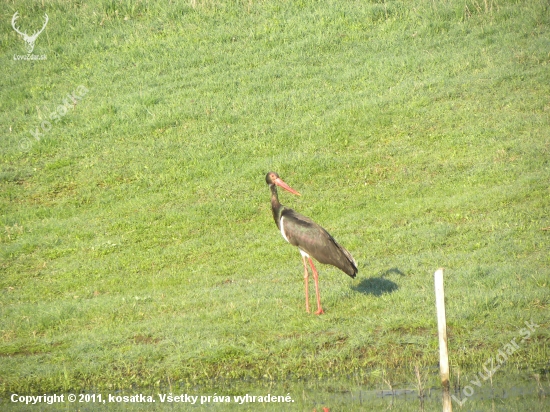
column 310, row 238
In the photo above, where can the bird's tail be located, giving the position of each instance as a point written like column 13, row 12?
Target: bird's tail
column 350, row 269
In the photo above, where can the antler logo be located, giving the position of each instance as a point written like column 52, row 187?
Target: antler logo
column 28, row 39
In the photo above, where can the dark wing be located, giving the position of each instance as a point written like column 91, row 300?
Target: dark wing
column 304, row 233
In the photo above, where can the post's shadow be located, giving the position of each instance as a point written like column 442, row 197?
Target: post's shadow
column 378, row 286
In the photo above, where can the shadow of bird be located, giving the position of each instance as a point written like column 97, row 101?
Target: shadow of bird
column 378, row 286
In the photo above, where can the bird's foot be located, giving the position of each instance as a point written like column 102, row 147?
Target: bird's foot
column 320, row 311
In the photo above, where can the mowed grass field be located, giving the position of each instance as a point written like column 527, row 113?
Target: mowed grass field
column 137, row 242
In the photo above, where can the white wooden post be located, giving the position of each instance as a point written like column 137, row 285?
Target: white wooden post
column 441, row 327
column 442, row 331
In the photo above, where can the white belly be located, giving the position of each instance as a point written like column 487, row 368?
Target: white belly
column 282, row 225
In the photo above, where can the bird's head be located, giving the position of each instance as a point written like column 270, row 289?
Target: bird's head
column 273, row 178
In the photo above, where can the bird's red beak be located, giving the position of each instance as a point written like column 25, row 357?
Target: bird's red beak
column 279, row 182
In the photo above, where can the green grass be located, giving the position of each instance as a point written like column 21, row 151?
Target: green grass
column 138, row 247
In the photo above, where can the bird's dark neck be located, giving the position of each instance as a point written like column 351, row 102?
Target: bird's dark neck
column 276, row 206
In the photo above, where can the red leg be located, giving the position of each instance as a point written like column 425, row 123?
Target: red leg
column 306, row 281
column 317, row 294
